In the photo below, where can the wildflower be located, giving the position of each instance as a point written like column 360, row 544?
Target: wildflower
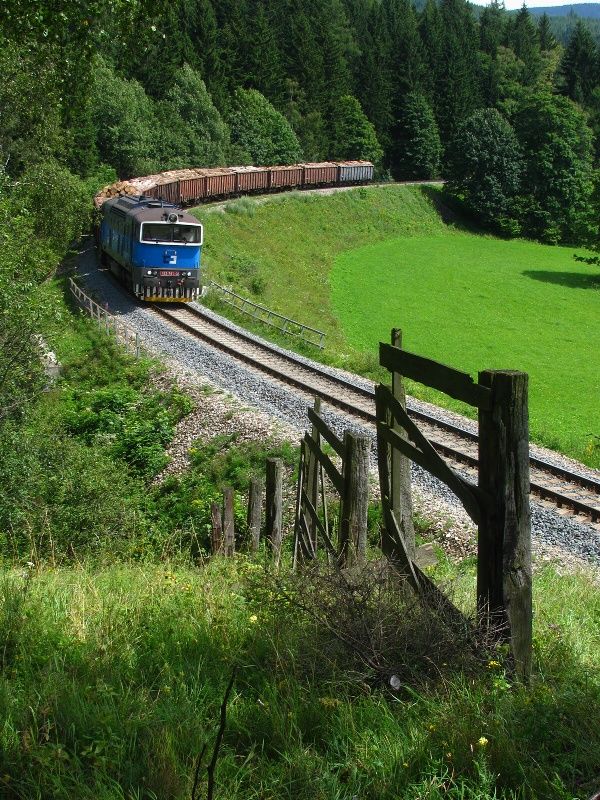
column 482, row 741
column 405, row 765
column 493, row 664
column 253, row 618
column 432, row 727
column 330, row 702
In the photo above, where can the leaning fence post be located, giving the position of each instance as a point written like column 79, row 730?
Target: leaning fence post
column 254, row 509
column 216, row 541
column 355, row 502
column 274, row 494
column 401, row 499
column 228, row 522
column 504, row 541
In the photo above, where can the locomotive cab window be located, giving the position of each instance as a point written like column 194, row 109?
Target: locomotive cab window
column 156, row 232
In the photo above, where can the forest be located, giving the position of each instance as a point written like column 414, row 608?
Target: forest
column 104, row 88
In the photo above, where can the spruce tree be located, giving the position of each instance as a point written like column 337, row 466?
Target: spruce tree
column 524, row 42
column 458, row 84
column 417, row 149
column 546, row 38
column 579, row 65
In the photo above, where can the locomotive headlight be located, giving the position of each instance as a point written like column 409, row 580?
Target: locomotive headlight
column 189, row 274
column 149, row 272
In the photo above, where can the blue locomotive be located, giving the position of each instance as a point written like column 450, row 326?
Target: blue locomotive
column 152, row 247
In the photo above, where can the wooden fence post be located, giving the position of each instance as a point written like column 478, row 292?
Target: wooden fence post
column 228, row 522
column 254, row 512
column 274, row 494
column 355, row 501
column 504, row 542
column 312, row 480
column 401, row 497
column 217, row 529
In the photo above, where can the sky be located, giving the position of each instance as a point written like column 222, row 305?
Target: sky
column 511, row 4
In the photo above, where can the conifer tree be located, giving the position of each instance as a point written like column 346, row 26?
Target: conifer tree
column 546, row 38
column 374, row 78
column 524, row 42
column 458, row 84
column 579, row 65
column 416, row 149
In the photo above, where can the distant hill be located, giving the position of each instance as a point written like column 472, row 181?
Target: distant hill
column 586, row 10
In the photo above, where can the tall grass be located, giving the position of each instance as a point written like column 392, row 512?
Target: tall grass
column 111, row 681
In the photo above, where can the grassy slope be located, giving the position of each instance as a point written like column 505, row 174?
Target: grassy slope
column 110, row 681
column 304, row 256
column 289, row 243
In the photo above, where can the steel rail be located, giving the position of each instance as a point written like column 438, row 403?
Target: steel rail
column 342, row 399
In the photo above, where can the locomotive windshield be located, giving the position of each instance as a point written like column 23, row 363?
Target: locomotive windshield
column 156, row 232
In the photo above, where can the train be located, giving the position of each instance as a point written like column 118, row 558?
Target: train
column 153, row 246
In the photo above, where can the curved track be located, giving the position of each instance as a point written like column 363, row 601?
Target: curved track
column 577, row 493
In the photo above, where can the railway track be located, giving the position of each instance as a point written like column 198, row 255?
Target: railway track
column 575, row 493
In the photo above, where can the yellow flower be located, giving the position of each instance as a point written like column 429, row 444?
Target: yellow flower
column 482, row 741
column 493, row 663
column 253, row 619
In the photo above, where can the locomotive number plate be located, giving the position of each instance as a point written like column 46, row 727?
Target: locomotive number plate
column 168, row 273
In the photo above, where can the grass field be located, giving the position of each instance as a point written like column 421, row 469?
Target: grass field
column 481, row 303
column 111, row 682
column 471, row 301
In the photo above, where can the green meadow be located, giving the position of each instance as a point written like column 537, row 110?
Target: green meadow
column 356, row 264
column 477, row 302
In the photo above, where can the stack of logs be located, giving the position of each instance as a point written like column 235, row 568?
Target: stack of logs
column 223, row 528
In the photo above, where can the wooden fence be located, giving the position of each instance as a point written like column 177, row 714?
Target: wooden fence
column 223, row 538
column 498, row 503
column 351, row 483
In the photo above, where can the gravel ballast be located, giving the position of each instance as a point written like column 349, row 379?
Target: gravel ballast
column 260, row 406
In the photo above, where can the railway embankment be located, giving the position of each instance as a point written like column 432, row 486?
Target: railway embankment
column 557, row 536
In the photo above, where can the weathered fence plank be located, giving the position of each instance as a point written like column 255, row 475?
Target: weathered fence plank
column 400, row 491
column 504, row 595
column 216, row 541
column 324, row 430
column 466, row 491
column 453, row 382
column 332, row 472
column 255, row 491
column 274, row 506
column 355, row 500
column 228, row 522
column 312, row 474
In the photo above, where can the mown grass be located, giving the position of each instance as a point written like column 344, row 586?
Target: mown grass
column 477, row 302
column 358, row 263
column 111, row 681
